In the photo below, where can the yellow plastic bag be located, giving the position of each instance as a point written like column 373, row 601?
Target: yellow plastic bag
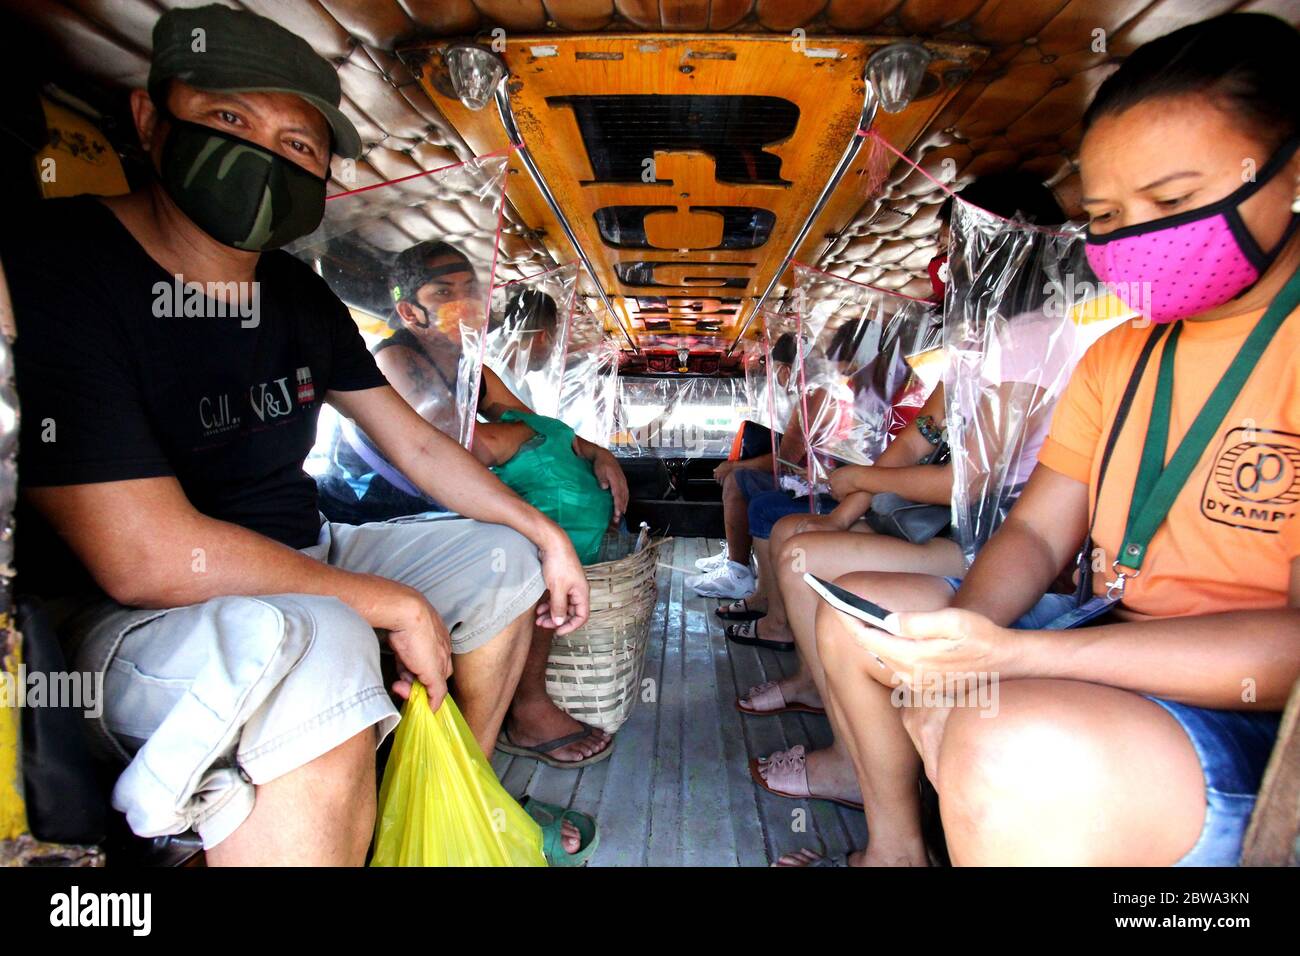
column 441, row 804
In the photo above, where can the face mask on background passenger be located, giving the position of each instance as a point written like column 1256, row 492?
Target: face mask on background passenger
column 1193, row 261
column 450, row 317
column 239, row 193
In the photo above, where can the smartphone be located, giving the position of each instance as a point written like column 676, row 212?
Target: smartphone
column 850, row 603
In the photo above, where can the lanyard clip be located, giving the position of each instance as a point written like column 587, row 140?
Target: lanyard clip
column 1115, row 589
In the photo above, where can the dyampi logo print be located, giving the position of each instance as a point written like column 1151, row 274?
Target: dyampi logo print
column 1255, row 480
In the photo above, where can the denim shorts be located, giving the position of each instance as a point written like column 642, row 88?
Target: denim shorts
column 753, row 481
column 1041, row 616
column 766, row 509
column 1232, row 746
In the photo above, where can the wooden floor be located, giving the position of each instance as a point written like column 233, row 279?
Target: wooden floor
column 677, row 790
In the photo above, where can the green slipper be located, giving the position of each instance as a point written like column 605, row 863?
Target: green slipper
column 551, row 819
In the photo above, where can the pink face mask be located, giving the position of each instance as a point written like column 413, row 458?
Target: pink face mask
column 1191, row 262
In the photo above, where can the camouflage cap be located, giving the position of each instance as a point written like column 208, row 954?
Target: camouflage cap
column 235, row 51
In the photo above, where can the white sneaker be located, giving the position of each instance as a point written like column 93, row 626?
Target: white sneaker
column 713, row 560
column 728, row 580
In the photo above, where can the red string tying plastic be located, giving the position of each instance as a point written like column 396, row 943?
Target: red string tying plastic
column 426, row 172
column 487, row 310
column 874, row 134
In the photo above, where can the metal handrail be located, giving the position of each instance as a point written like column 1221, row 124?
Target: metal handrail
column 502, row 98
column 870, row 106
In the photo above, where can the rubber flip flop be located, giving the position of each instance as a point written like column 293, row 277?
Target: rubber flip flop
column 543, row 750
column 758, row 779
column 551, row 819
column 747, row 614
column 748, row 635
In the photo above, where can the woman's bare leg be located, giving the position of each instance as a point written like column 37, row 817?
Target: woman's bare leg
column 868, row 725
column 830, row 554
column 762, row 591
column 1070, row 774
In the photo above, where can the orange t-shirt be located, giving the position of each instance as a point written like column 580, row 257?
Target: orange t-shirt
column 1228, row 541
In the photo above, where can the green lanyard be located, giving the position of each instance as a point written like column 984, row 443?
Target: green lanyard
column 1158, row 484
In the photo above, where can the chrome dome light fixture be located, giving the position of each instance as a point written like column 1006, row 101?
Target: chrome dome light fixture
column 896, row 73
column 475, row 73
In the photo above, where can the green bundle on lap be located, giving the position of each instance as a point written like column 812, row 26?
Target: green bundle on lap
column 550, row 476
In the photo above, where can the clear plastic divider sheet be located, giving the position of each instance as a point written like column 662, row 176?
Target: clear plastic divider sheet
column 855, row 385
column 413, row 260
column 678, row 416
column 770, row 382
column 777, row 391
column 527, row 333
column 589, row 379
column 1021, row 308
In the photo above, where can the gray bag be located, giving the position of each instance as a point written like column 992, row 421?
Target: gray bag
column 912, row 521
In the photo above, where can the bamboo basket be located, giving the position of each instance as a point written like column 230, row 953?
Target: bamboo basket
column 594, row 673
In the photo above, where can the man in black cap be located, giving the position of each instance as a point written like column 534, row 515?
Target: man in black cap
column 172, row 364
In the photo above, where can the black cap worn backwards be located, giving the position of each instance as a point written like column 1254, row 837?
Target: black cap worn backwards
column 235, row 51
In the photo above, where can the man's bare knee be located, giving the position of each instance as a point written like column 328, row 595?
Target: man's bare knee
column 322, row 813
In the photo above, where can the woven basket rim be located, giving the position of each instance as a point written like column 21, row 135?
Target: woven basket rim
column 653, row 545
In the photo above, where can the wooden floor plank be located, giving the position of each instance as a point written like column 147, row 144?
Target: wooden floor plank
column 814, row 732
column 746, row 825
column 518, row 775
column 590, row 788
column 784, row 821
column 709, row 837
column 666, row 825
column 553, row 785
column 500, row 762
column 623, row 813
column 677, row 789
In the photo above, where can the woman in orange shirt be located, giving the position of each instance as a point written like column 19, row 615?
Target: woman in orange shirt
column 1142, row 739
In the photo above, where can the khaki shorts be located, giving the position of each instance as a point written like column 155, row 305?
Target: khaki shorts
column 208, row 701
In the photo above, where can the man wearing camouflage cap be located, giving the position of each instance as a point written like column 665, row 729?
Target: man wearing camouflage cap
column 166, row 506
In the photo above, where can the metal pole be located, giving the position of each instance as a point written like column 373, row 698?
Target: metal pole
column 512, row 131
column 870, row 104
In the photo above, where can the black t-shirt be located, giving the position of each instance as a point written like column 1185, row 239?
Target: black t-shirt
column 113, row 384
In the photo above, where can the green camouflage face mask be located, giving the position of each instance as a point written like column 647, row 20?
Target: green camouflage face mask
column 239, row 193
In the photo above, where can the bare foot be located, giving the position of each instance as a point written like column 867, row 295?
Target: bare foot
column 856, row 858
column 541, row 722
column 777, row 631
